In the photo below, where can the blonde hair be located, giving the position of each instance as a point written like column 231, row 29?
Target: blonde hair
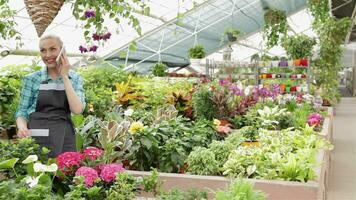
column 51, row 36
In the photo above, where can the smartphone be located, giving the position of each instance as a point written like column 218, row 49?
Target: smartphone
column 58, row 59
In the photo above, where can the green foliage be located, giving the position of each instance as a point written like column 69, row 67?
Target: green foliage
column 7, row 24
column 13, row 190
column 177, row 194
column 320, row 10
column 221, row 150
column 275, row 26
column 80, row 191
column 99, row 84
column 286, row 155
column 250, row 133
column 298, row 46
column 201, row 161
column 159, row 69
column 300, row 115
column 124, row 187
column 115, row 10
column 20, row 150
column 196, row 52
column 203, row 104
column 240, row 190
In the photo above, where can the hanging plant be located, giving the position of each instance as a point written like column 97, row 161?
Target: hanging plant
column 93, row 13
column 159, row 69
column 320, row 10
column 298, row 46
column 275, row 26
column 7, row 22
column 196, row 52
column 232, row 35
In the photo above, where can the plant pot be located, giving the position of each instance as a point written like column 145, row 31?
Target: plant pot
column 275, row 63
column 283, row 63
column 293, row 89
column 269, row 75
column 283, row 88
column 278, row 76
column 288, row 88
column 293, row 76
column 299, row 89
column 231, row 37
column 283, row 75
column 290, row 63
column 274, row 75
column 297, row 62
column 326, row 102
column 251, row 144
column 264, row 75
column 303, row 76
column 224, row 122
column 299, row 75
column 304, row 62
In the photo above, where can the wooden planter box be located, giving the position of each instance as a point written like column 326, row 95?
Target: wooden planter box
column 276, row 190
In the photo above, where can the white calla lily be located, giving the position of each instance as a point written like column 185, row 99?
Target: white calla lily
column 32, row 181
column 30, row 159
column 39, row 167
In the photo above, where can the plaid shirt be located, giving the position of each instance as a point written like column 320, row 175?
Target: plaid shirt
column 30, row 90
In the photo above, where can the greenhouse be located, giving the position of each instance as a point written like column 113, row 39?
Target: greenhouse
column 178, row 100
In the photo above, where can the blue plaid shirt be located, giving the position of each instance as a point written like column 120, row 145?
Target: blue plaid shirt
column 30, row 90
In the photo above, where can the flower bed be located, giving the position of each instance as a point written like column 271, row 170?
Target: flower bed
column 275, row 189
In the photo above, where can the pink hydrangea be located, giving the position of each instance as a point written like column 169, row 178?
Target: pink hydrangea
column 92, row 153
column 108, row 172
column 314, row 119
column 89, row 174
column 68, row 160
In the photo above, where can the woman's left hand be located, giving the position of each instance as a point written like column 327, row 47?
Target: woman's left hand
column 65, row 66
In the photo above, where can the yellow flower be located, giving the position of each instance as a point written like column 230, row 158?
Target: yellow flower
column 217, row 122
column 91, row 108
column 136, row 127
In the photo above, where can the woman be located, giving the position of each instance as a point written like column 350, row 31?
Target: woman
column 48, row 98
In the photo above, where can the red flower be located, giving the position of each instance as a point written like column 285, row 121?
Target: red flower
column 66, row 161
column 92, row 153
column 108, row 172
column 89, row 174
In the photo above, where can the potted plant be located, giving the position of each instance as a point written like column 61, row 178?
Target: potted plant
column 298, row 46
column 250, row 133
column 195, row 54
column 232, row 34
column 159, row 69
column 275, row 25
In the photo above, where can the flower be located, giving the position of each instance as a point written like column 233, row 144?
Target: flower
column 82, row 49
column 106, row 36
column 91, row 108
column 39, row 167
column 217, row 122
column 30, row 159
column 69, row 159
column 31, row 181
column 108, row 172
column 90, row 175
column 92, row 153
column 128, row 112
column 314, row 119
column 136, row 127
column 96, row 37
column 93, row 48
column 89, row 13
column 223, row 129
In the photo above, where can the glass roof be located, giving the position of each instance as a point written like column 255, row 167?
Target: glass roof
column 166, row 37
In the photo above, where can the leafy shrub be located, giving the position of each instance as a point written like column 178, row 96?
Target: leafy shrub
column 221, row 150
column 203, row 105
column 241, row 190
column 201, row 161
column 196, row 52
column 159, row 69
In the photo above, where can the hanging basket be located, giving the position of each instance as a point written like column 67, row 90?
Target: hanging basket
column 42, row 12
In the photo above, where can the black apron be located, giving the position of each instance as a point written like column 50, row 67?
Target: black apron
column 53, row 113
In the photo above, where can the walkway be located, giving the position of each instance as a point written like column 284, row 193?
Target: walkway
column 342, row 180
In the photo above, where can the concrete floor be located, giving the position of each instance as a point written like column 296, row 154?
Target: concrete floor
column 342, row 180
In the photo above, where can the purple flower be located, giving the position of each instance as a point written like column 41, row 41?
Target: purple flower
column 314, row 119
column 82, row 49
column 106, row 36
column 93, row 48
column 264, row 92
column 236, row 90
column 223, row 82
column 89, row 13
column 96, row 37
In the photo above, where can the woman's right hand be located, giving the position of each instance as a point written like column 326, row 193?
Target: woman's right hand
column 23, row 132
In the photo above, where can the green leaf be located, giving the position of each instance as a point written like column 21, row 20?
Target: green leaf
column 45, row 180
column 78, row 120
column 8, row 164
column 30, row 170
column 79, row 141
column 146, row 142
